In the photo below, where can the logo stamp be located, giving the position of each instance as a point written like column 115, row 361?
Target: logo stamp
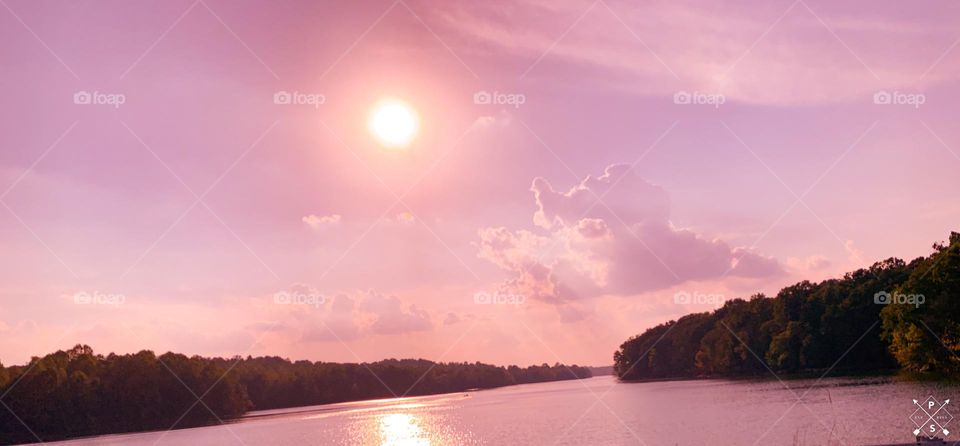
column 931, row 417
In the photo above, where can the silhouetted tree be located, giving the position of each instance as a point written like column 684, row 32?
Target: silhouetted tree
column 75, row 392
column 831, row 325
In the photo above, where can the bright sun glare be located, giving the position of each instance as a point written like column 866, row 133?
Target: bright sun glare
column 394, row 123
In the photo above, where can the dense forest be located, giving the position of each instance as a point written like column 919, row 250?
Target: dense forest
column 837, row 325
column 77, row 393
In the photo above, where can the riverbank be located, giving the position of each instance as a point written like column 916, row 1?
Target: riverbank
column 878, row 376
column 566, row 413
column 76, row 393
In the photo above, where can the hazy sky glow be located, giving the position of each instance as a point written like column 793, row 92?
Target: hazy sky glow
column 223, row 190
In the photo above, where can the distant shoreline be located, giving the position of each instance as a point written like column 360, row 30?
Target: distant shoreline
column 106, row 394
column 811, row 374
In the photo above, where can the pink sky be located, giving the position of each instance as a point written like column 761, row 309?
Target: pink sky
column 595, row 201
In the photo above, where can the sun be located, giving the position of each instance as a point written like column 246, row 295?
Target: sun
column 394, row 123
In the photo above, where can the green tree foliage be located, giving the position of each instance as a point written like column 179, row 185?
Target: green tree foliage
column 75, row 392
column 273, row 382
column 831, row 325
column 926, row 338
column 78, row 393
column 664, row 350
column 737, row 333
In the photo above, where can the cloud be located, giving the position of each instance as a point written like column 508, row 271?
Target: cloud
column 748, row 264
column 405, row 218
column 21, row 328
column 593, row 228
column 339, row 323
column 450, row 319
column 315, row 221
column 609, row 235
column 346, row 318
column 391, row 316
column 644, row 202
column 811, row 263
column 503, row 118
column 769, row 55
column 401, row 219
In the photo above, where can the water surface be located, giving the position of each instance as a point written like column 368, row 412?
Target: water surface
column 596, row 411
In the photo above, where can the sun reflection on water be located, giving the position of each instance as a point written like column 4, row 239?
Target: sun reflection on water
column 400, row 429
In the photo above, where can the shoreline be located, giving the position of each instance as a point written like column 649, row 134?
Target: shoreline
column 893, row 375
column 256, row 415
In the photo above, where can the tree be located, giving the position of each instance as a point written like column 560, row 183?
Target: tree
column 76, row 392
column 830, row 325
column 926, row 337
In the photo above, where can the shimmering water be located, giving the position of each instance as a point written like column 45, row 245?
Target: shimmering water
column 596, row 411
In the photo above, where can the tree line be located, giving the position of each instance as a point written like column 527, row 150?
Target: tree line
column 76, row 392
column 847, row 325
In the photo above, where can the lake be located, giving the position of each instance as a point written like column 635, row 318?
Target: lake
column 841, row 411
